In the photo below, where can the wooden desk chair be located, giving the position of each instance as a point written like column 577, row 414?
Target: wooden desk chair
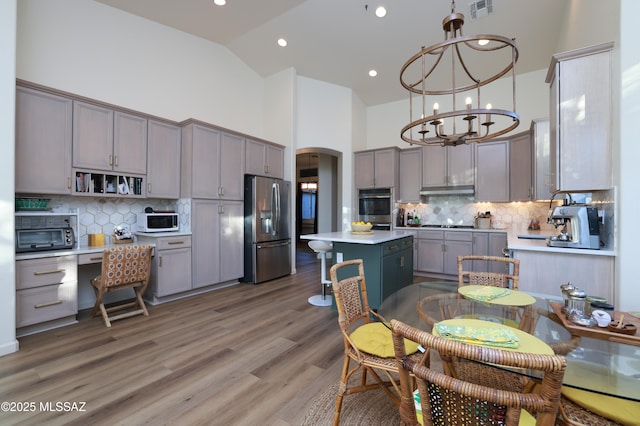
column 504, row 279
column 123, row 266
column 355, row 315
column 455, row 401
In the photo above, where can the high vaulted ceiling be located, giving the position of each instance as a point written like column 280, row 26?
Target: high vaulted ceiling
column 339, row 41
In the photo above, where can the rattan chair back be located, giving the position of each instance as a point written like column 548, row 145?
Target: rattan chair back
column 507, row 279
column 453, row 401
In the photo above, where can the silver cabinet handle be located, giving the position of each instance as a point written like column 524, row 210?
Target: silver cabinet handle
column 52, row 271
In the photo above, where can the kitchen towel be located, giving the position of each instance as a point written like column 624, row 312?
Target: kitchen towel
column 487, row 336
column 487, row 293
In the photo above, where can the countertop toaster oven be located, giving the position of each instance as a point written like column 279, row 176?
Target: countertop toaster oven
column 29, row 240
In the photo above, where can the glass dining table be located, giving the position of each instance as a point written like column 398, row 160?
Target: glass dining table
column 600, row 366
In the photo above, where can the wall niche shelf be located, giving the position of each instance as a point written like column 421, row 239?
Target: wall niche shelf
column 102, row 184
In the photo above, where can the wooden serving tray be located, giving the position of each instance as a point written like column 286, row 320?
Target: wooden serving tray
column 599, row 332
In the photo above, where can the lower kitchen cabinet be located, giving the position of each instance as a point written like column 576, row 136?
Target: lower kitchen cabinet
column 170, row 267
column 46, row 293
column 438, row 251
column 489, row 244
column 218, row 241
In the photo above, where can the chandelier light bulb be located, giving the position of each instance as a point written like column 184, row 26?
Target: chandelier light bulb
column 435, row 108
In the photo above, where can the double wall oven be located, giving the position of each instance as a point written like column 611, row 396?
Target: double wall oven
column 376, row 206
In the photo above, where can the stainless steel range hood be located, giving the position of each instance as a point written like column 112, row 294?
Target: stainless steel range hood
column 448, row 190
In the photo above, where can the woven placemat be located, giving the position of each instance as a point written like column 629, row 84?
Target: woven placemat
column 366, row 408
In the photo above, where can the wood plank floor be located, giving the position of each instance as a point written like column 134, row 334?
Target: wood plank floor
column 243, row 355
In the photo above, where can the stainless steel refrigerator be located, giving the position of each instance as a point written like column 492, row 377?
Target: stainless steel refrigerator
column 267, row 241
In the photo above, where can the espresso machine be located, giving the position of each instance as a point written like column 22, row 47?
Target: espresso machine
column 576, row 227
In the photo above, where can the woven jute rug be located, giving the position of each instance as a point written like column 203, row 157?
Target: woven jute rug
column 366, row 408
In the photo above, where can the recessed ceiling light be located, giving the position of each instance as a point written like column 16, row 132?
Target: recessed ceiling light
column 282, row 42
column 373, row 73
column 381, row 12
column 220, row 2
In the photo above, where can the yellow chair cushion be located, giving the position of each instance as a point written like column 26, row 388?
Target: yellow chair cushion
column 616, row 409
column 375, row 339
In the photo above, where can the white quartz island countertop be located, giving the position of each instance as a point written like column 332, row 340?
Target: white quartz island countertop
column 375, row 237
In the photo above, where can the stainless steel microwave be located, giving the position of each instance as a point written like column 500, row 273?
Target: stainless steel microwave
column 158, row 222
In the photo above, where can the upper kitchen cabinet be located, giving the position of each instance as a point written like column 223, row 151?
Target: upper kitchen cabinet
column 212, row 163
column 492, row 179
column 541, row 172
column 108, row 140
column 410, row 175
column 264, row 159
column 376, row 168
column 43, row 142
column 163, row 160
column 580, row 119
column 520, row 165
column 447, row 166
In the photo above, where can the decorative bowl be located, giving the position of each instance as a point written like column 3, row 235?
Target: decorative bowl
column 627, row 328
column 358, row 227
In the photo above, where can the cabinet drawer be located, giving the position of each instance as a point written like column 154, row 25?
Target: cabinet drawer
column 432, row 235
column 458, row 236
column 168, row 243
column 89, row 258
column 395, row 246
column 46, row 303
column 50, row 270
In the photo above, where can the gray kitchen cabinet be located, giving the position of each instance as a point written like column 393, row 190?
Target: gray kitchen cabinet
column 377, row 168
column 410, row 165
column 492, row 171
column 170, row 267
column 264, row 159
column 218, row 241
column 542, row 178
column 456, row 244
column 46, row 292
column 520, row 167
column 580, row 119
column 489, row 244
column 438, row 251
column 43, row 142
column 108, row 140
column 212, row 164
column 447, row 166
column 163, row 160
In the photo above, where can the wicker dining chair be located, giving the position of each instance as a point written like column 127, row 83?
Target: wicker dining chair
column 453, row 401
column 123, row 266
column 508, row 278
column 354, row 312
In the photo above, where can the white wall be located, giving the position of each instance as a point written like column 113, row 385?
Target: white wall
column 90, row 49
column 8, row 342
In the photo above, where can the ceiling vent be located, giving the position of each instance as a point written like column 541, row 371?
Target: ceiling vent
column 480, row 8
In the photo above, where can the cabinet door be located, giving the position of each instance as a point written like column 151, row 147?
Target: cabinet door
column 274, row 161
column 453, row 249
column 385, row 168
column 163, row 156
column 542, row 178
column 254, row 157
column 497, row 243
column 205, row 162
column 410, row 174
column 480, row 248
column 584, row 149
column 230, row 167
column 92, row 137
column 431, row 255
column 492, row 180
column 43, row 143
column 397, row 272
column 205, row 244
column 520, row 164
column 174, row 271
column 364, row 164
column 460, row 165
column 231, row 240
column 434, row 166
column 129, row 143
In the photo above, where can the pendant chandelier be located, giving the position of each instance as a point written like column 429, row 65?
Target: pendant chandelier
column 448, row 62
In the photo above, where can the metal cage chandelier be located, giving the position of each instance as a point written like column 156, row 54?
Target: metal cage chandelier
column 465, row 125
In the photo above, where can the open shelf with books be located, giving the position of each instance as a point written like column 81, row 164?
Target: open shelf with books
column 108, row 184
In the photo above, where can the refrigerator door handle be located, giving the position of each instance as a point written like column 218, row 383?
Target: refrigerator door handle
column 275, row 205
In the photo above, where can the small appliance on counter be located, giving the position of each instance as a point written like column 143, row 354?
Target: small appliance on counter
column 576, row 227
column 40, row 239
column 158, row 221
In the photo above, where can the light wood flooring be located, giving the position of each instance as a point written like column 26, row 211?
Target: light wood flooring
column 243, row 355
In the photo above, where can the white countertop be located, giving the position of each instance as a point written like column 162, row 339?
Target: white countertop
column 426, row 228
column 515, row 243
column 375, row 237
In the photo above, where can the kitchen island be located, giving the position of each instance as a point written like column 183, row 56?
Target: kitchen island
column 387, row 258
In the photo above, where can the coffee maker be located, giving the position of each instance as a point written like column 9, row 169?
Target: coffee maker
column 576, row 227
